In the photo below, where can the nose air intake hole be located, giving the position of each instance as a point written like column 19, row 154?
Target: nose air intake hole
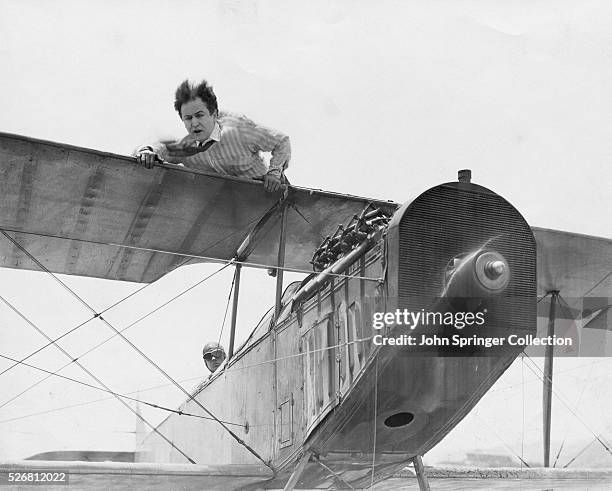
column 398, row 420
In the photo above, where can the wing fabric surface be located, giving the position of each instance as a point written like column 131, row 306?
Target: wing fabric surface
column 73, row 209
column 579, row 267
column 574, row 265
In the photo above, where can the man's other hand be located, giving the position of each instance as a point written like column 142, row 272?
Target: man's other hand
column 147, row 158
column 271, row 183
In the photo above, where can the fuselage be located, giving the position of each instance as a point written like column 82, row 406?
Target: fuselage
column 320, row 377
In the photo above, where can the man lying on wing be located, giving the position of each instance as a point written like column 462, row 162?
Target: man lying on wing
column 220, row 141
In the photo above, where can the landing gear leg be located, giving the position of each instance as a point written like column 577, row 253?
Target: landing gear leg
column 420, row 473
column 297, row 472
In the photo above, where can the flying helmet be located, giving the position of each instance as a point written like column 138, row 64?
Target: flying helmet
column 213, row 354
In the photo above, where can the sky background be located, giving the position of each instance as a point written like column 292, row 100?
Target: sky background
column 380, row 99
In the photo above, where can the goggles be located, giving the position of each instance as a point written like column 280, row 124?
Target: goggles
column 216, row 354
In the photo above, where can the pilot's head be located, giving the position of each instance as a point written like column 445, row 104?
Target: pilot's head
column 213, row 354
column 196, row 105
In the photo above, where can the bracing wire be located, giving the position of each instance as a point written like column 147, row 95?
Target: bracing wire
column 542, row 376
column 263, row 317
column 580, row 453
column 140, row 319
column 511, row 386
column 508, row 447
column 571, row 461
column 55, row 340
column 584, row 387
column 124, row 396
column 87, row 403
column 266, row 362
column 82, row 367
column 543, row 297
column 296, row 355
column 138, row 350
column 121, row 300
column 566, row 308
column 98, row 315
column 229, row 298
column 297, row 210
column 597, row 284
column 158, row 308
column 188, row 257
column 335, row 474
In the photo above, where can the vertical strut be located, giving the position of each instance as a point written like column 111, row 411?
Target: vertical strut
column 234, row 310
column 548, row 374
column 281, row 261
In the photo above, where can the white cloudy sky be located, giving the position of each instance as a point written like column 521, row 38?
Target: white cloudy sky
column 381, row 99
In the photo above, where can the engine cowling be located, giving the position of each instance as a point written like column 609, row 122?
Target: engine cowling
column 461, row 247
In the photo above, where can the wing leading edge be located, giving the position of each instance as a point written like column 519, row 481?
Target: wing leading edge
column 91, row 213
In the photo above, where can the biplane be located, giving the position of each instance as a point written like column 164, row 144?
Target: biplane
column 309, row 399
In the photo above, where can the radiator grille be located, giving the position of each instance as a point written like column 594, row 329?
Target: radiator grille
column 456, row 218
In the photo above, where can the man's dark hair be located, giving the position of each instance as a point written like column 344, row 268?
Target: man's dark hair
column 188, row 91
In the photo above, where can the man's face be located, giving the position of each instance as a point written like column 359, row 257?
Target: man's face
column 214, row 359
column 197, row 120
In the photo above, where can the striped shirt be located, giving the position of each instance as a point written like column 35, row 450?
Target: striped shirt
column 236, row 151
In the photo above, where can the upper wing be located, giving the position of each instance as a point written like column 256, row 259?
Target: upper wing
column 91, row 213
column 579, row 268
column 574, row 265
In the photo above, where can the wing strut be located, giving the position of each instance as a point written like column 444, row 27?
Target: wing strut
column 230, row 351
column 548, row 375
column 138, row 350
column 280, row 262
column 102, row 384
column 248, row 245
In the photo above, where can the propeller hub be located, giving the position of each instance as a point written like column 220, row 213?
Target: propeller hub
column 492, row 271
